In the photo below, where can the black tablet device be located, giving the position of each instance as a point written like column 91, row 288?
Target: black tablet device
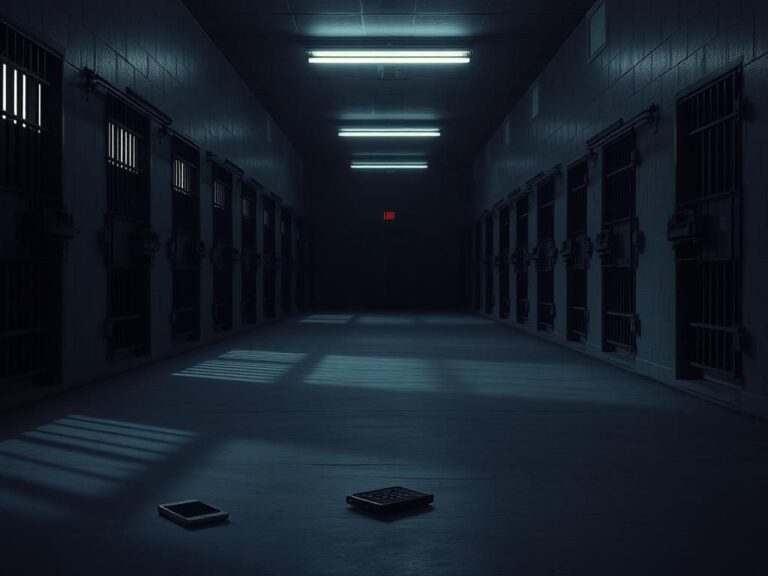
column 392, row 499
column 192, row 513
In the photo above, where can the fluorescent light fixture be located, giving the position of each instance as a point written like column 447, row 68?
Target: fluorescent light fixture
column 388, row 56
column 391, row 165
column 389, row 132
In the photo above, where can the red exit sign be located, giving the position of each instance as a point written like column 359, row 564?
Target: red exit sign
column 389, row 215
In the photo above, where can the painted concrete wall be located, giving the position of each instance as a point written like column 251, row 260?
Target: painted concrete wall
column 159, row 50
column 656, row 49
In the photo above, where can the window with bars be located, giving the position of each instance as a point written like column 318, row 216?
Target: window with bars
column 184, row 177
column 22, row 97
column 220, row 195
column 122, row 148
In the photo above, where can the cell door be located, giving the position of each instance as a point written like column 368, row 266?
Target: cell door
column 545, row 255
column 617, row 245
column 488, row 259
column 223, row 253
column 477, row 264
column 301, row 266
column 503, row 262
column 575, row 252
column 185, row 247
column 129, row 242
column 249, row 254
column 706, row 231
column 33, row 226
column 521, row 259
column 270, row 258
column 288, row 263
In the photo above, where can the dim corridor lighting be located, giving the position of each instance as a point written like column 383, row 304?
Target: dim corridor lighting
column 389, row 132
column 389, row 165
column 388, row 56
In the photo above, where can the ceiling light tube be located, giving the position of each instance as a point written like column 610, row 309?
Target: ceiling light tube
column 392, row 165
column 388, row 56
column 389, row 132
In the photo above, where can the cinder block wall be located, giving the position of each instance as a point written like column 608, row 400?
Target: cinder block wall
column 656, row 50
column 159, row 50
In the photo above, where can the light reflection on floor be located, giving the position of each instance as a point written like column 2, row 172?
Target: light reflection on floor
column 256, row 366
column 374, row 372
column 327, row 319
column 386, row 320
column 572, row 382
column 80, row 456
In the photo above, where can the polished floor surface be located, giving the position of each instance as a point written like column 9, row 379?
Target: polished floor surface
column 542, row 461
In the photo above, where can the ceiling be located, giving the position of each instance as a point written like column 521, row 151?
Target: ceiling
column 267, row 40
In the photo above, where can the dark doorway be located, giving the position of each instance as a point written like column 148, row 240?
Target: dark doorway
column 33, row 226
column 545, row 253
column 488, row 259
column 477, row 267
column 185, row 247
column 503, row 262
column 223, row 251
column 576, row 251
column 301, row 265
column 288, row 262
column 128, row 239
column 249, row 254
column 521, row 260
column 270, row 257
column 617, row 243
column 706, row 231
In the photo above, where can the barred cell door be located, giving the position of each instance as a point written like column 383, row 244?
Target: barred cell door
column 545, row 254
column 185, row 247
column 617, row 245
column 33, row 226
column 249, row 256
column 488, row 263
column 503, row 262
column 288, row 263
column 575, row 252
column 270, row 258
column 224, row 255
column 706, row 231
column 521, row 259
column 129, row 242
column 301, row 266
column 477, row 267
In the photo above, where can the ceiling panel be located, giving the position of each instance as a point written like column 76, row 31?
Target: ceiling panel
column 267, row 41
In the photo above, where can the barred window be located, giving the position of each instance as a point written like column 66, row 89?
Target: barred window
column 219, row 195
column 183, row 177
column 122, row 148
column 22, row 98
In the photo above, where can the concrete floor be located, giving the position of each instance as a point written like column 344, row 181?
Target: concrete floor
column 542, row 461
